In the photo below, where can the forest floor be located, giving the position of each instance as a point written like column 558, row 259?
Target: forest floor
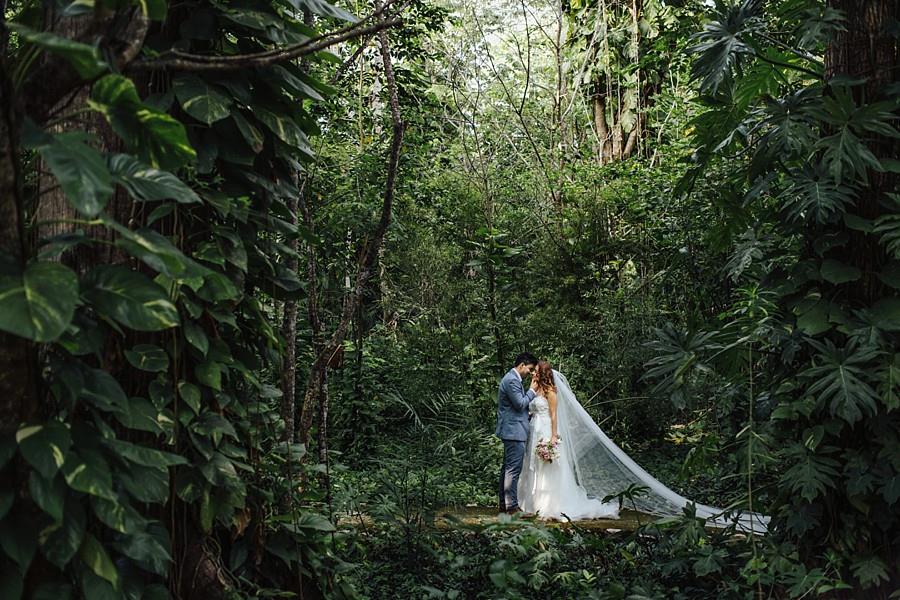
column 453, row 517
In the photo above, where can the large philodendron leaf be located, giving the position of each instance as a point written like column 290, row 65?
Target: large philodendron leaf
column 201, row 100
column 39, row 302
column 156, row 137
column 130, row 298
column 722, row 45
column 147, row 183
column 85, row 59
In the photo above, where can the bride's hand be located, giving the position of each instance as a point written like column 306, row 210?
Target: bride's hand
column 554, row 439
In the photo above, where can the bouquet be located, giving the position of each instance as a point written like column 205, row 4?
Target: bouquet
column 546, row 450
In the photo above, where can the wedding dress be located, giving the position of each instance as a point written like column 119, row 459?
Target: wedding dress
column 549, row 489
column 591, row 467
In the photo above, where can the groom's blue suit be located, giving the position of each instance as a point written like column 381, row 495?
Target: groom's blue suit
column 512, row 428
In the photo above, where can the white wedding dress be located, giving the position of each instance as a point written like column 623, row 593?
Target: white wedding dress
column 549, row 489
column 591, row 467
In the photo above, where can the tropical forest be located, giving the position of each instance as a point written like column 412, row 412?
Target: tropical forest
column 386, row 299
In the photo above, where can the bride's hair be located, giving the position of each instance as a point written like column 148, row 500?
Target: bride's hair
column 544, row 376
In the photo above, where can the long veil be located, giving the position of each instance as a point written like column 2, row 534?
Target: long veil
column 604, row 469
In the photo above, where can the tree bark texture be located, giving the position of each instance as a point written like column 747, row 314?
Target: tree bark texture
column 868, row 50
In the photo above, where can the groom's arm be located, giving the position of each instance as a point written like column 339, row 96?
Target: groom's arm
column 519, row 398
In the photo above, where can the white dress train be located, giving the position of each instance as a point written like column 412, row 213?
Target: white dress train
column 591, row 467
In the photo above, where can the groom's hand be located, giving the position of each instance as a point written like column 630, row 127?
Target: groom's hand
column 534, row 384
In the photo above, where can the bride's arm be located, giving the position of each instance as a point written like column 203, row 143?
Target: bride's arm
column 551, row 400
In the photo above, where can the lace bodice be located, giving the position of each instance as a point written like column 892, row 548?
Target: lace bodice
column 539, row 406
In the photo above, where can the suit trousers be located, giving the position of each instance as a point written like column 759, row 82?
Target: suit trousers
column 513, row 456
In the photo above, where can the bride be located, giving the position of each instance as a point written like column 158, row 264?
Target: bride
column 549, row 489
column 590, row 467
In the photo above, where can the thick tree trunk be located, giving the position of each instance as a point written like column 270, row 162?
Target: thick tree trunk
column 867, row 49
column 603, row 137
column 18, row 389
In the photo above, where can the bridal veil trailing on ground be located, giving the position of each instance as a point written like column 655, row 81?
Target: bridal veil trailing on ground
column 604, row 469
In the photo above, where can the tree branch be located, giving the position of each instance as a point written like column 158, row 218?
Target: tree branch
column 184, row 61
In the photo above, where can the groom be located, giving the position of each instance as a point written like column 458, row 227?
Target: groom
column 512, row 427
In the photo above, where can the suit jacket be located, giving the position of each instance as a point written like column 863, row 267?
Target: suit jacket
column 512, row 408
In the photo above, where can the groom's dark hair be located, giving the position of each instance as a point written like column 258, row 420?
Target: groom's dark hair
column 525, row 358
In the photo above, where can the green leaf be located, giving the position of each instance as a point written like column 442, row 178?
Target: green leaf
column 158, row 253
column 60, row 543
column 118, row 515
column 147, row 183
column 38, row 304
column 130, row 298
column 97, row 588
column 870, row 571
column 284, row 127
column 887, row 313
column 103, row 391
column 814, row 320
column 80, row 170
column 6, row 501
column 45, row 447
column 86, row 60
column 143, row 547
column 148, row 357
column 196, row 337
column 890, row 274
column 146, row 484
column 190, row 393
column 97, row 560
column 142, row 455
column 252, row 135
column 86, row 471
column 209, row 374
column 18, row 538
column 811, row 475
column 50, row 495
column 154, row 9
column 156, row 137
column 837, row 272
column 840, row 380
column 202, row 100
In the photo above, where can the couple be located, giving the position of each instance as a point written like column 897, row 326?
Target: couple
column 529, row 483
column 587, row 466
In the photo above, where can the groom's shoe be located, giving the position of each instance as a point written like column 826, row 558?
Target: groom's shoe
column 514, row 510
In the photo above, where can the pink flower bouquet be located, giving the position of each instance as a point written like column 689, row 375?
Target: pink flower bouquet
column 546, row 450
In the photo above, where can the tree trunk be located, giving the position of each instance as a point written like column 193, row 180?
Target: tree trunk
column 602, row 129
column 289, row 334
column 18, row 387
column 868, row 49
column 367, row 258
